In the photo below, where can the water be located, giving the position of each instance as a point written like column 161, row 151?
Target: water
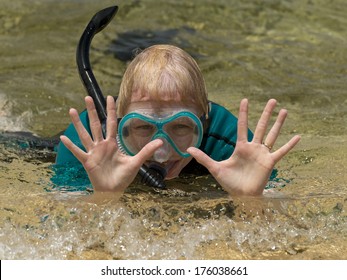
column 293, row 51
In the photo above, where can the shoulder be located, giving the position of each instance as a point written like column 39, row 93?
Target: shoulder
column 220, row 136
column 63, row 154
column 223, row 124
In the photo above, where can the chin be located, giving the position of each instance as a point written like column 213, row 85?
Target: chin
column 174, row 168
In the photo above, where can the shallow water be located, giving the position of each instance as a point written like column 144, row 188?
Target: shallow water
column 293, row 51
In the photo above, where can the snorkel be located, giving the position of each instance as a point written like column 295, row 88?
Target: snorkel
column 151, row 176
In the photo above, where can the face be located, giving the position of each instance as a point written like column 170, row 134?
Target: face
column 165, row 156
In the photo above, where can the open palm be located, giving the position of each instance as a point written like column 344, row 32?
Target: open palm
column 107, row 167
column 248, row 169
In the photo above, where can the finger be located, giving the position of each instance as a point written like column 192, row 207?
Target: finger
column 242, row 123
column 263, row 121
column 281, row 152
column 94, row 122
column 111, row 118
column 276, row 128
column 81, row 130
column 203, row 159
column 76, row 151
column 148, row 150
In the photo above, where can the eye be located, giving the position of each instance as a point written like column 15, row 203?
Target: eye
column 142, row 129
column 181, row 129
column 145, row 127
column 181, row 126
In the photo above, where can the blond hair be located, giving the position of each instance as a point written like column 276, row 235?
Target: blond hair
column 163, row 72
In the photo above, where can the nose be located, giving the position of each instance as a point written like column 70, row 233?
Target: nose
column 163, row 153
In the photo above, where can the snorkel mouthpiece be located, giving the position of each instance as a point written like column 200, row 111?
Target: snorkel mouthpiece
column 152, row 176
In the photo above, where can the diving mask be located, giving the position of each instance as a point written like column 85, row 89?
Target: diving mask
column 179, row 131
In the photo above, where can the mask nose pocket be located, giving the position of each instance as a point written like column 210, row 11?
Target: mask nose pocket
column 163, row 153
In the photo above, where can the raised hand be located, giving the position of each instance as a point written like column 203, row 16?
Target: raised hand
column 248, row 169
column 107, row 167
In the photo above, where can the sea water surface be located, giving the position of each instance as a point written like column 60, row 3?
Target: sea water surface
column 294, row 51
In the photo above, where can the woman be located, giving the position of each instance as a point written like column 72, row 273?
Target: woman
column 164, row 119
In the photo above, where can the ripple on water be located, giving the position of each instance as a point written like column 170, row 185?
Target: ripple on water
column 150, row 226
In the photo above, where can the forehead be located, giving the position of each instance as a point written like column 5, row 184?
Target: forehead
column 142, row 95
column 161, row 107
column 165, row 103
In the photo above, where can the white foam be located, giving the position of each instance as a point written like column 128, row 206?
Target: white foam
column 8, row 122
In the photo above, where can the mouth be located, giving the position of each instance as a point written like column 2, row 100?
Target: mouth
column 168, row 166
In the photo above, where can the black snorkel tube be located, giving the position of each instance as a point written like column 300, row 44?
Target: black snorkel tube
column 151, row 176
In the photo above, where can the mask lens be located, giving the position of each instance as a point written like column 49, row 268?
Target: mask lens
column 183, row 132
column 135, row 133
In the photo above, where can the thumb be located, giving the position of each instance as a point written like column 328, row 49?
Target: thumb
column 202, row 158
column 148, row 150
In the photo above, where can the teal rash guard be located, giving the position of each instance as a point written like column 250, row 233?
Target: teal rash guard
column 218, row 142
